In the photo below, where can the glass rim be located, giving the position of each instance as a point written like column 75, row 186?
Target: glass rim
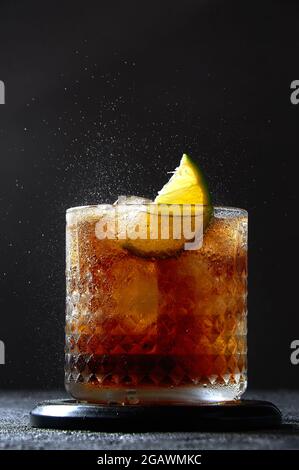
column 235, row 211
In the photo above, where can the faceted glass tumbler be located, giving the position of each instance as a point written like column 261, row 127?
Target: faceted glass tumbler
column 156, row 330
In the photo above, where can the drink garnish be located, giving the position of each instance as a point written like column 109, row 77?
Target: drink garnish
column 187, row 186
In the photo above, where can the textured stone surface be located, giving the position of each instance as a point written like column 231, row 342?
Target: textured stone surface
column 15, row 432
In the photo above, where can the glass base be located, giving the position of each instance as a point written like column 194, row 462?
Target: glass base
column 155, row 395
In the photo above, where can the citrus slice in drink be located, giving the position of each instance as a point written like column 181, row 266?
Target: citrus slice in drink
column 186, row 186
column 185, row 195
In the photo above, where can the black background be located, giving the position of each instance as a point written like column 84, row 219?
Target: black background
column 102, row 98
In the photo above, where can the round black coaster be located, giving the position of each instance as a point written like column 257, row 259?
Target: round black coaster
column 231, row 416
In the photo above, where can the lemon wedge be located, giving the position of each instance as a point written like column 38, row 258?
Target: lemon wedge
column 187, row 186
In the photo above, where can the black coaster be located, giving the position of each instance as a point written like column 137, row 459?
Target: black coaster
column 230, row 416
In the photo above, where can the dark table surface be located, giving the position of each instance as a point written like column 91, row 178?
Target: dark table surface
column 16, row 433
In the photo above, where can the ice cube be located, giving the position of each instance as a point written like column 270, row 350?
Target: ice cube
column 131, row 200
